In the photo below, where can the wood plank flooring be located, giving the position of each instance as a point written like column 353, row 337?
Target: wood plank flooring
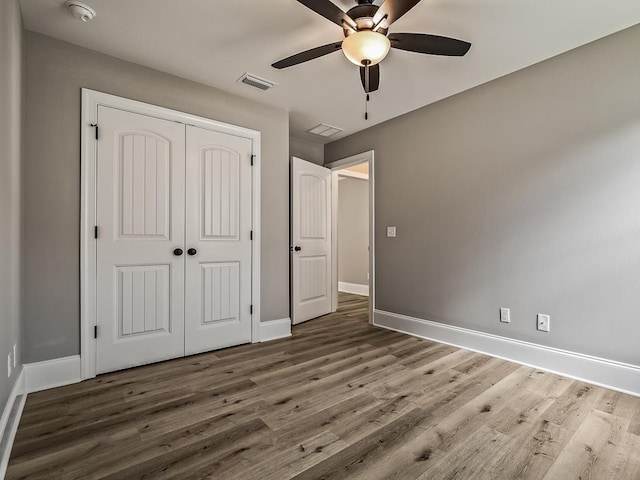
column 338, row 400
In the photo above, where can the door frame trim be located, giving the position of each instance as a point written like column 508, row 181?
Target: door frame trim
column 91, row 99
column 364, row 157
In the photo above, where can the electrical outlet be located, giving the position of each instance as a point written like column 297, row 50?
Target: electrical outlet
column 505, row 315
column 391, row 232
column 544, row 322
column 15, row 354
column 9, row 363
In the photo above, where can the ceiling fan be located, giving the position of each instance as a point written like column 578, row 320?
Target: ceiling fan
column 367, row 40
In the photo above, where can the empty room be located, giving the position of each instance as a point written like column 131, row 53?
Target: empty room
column 319, row 239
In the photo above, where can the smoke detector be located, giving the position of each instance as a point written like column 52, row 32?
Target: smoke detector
column 80, row 10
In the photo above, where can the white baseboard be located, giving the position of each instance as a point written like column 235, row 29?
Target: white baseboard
column 355, row 288
column 10, row 420
column 618, row 376
column 274, row 329
column 33, row 378
column 51, row 373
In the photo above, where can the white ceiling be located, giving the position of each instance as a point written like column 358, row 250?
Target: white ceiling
column 215, row 42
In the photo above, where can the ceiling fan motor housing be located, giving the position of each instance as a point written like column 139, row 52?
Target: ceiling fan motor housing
column 363, row 16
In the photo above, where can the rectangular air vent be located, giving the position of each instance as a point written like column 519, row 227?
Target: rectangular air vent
column 324, row 130
column 257, row 82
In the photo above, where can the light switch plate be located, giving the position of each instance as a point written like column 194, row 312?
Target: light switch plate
column 391, row 232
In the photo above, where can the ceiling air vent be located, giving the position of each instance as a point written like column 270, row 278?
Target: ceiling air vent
column 324, row 130
column 257, row 82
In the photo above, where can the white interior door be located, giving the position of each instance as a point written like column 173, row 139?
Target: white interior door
column 311, row 240
column 140, row 215
column 218, row 262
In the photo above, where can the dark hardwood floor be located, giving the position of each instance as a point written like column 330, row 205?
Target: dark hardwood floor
column 339, row 400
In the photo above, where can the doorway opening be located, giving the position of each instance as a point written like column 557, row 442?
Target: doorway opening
column 352, row 232
column 352, row 242
column 315, row 194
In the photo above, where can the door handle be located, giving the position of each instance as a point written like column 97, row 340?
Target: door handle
column 178, row 251
column 297, row 248
column 192, row 251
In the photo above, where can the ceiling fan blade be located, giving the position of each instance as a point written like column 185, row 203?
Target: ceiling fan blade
column 430, row 44
column 393, row 10
column 330, row 11
column 374, row 78
column 308, row 55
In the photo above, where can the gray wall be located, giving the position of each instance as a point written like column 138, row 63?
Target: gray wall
column 10, row 152
column 309, row 151
column 55, row 71
column 353, row 230
column 521, row 193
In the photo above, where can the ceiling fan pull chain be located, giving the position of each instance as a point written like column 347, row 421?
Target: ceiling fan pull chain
column 366, row 88
column 366, row 107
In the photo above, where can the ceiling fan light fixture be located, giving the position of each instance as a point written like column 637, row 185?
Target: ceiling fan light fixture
column 366, row 47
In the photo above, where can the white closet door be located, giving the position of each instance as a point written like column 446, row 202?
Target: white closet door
column 140, row 216
column 311, row 237
column 218, row 245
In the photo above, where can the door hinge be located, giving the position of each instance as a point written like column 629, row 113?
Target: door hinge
column 95, row 125
column 252, row 159
column 251, row 235
column 95, row 331
column 251, row 309
column 95, row 232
